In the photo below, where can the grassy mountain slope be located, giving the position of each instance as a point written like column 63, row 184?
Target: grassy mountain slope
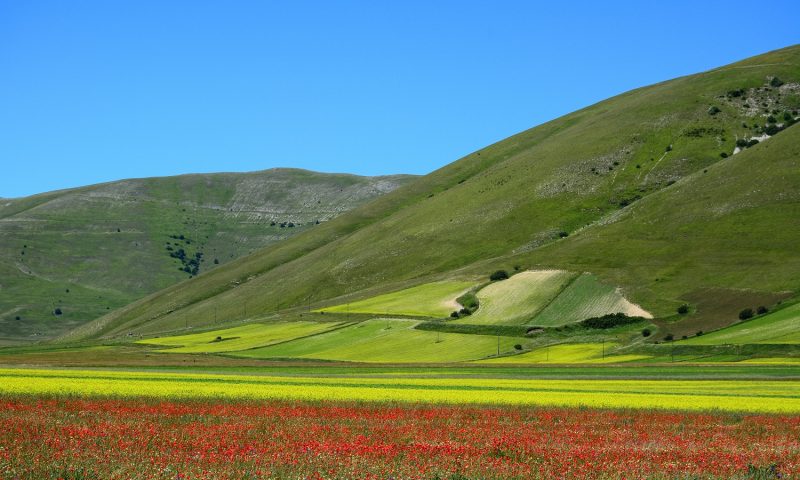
column 639, row 183
column 88, row 250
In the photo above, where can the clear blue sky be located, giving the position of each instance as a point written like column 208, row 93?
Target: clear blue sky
column 97, row 91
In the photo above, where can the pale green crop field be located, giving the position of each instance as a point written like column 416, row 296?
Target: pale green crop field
column 435, row 299
column 239, row 338
column 584, row 298
column 571, row 353
column 782, row 326
column 518, row 299
column 387, row 340
column 766, row 396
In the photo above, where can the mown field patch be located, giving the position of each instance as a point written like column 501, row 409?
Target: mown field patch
column 387, row 340
column 584, row 298
column 518, row 299
column 435, row 299
column 572, row 353
column 239, row 338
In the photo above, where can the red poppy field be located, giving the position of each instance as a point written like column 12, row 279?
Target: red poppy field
column 69, row 438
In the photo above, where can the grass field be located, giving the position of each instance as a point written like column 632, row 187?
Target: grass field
column 750, row 395
column 778, row 327
column 435, row 299
column 518, row 299
column 386, row 340
column 572, row 353
column 584, row 298
column 239, row 338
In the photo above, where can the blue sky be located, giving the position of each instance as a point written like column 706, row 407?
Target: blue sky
column 98, row 91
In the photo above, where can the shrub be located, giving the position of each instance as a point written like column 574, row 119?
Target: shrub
column 464, row 311
column 498, row 275
column 57, row 311
column 762, row 310
column 469, row 301
column 17, row 318
column 668, row 149
column 723, row 155
column 746, row 313
column 669, row 337
column 216, row 261
column 741, row 143
column 752, row 142
column 772, row 129
column 713, row 110
column 684, row 337
column 776, row 82
column 699, row 333
column 610, row 320
column 518, row 347
column 771, row 119
column 563, row 234
column 646, row 332
column 683, row 309
column 454, row 314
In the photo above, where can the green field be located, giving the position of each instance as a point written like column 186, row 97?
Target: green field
column 386, row 340
column 518, row 299
column 731, row 395
column 572, row 353
column 435, row 299
column 584, row 298
column 779, row 327
column 239, row 338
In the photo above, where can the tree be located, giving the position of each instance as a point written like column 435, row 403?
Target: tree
column 746, row 313
column 669, row 337
column 454, row 314
column 57, row 311
column 518, row 347
column 498, row 275
column 683, row 309
column 762, row 310
column 646, row 332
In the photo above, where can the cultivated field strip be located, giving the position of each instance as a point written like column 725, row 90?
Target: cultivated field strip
column 764, row 396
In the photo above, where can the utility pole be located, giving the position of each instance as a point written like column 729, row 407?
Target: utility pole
column 604, row 348
column 498, row 345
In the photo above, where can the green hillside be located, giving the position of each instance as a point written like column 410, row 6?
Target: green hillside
column 642, row 190
column 87, row 251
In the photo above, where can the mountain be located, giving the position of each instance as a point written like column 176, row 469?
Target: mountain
column 683, row 192
column 70, row 256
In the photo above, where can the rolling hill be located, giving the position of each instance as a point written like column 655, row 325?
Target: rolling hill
column 683, row 192
column 69, row 256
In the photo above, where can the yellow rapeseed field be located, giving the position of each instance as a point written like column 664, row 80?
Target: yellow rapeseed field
column 767, row 396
